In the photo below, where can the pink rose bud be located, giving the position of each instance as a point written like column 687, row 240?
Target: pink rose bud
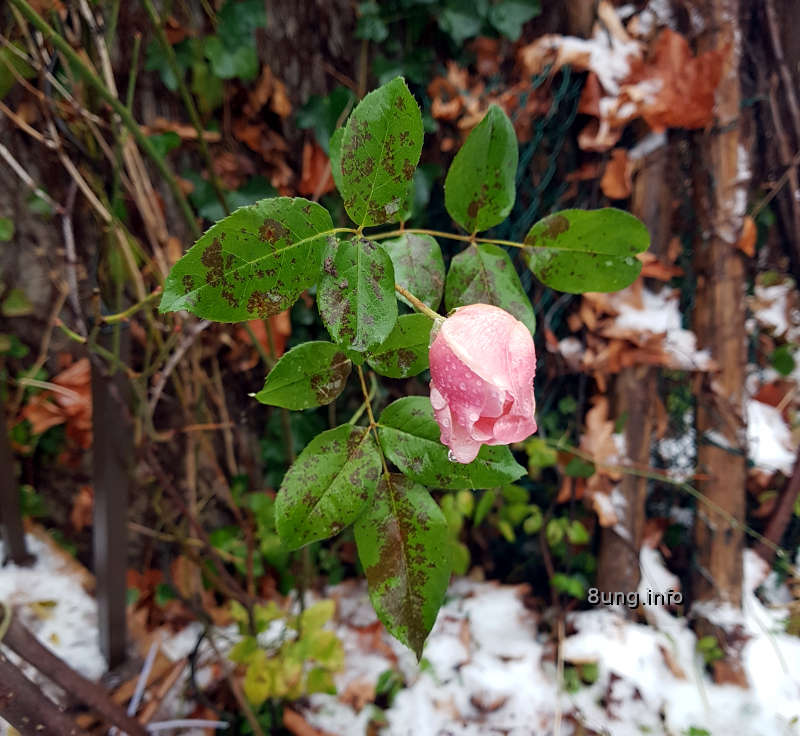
column 482, row 366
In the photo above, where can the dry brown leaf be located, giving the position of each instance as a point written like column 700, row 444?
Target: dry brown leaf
column 358, row 693
column 747, row 240
column 487, row 60
column 315, row 178
column 617, row 180
column 185, row 131
column 80, row 516
column 280, row 103
column 261, row 93
column 688, row 83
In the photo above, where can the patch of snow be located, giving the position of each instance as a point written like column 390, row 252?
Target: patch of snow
column 67, row 620
column 659, row 314
column 769, row 440
column 772, row 311
column 649, row 144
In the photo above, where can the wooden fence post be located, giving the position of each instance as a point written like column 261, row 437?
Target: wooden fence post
column 112, row 468
column 13, row 533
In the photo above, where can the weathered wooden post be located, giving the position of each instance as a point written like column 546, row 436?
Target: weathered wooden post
column 112, row 468
column 13, row 532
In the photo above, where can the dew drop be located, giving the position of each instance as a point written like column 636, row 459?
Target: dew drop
column 451, row 456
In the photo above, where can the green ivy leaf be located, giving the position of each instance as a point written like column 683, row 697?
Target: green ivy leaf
column 484, row 274
column 462, row 19
column 254, row 263
column 480, row 188
column 509, row 16
column 418, row 266
column 356, row 293
column 404, row 547
column 405, row 352
column 782, row 359
column 311, row 374
column 586, row 250
column 328, row 486
column 381, row 145
column 411, row 440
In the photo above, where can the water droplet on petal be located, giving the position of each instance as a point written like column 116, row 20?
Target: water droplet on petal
column 451, row 456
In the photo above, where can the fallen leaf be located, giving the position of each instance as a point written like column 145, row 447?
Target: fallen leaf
column 80, row 516
column 616, row 181
column 747, row 240
column 315, row 178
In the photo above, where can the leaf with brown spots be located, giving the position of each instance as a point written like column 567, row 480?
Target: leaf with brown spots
column 328, row 486
column 586, row 250
column 411, row 440
column 252, row 264
column 484, row 274
column 311, row 374
column 418, row 266
column 480, row 187
column 356, row 293
column 405, row 352
column 403, row 544
column 380, row 150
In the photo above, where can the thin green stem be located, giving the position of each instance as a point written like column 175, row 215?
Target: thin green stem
column 137, row 42
column 419, row 306
column 130, row 311
column 448, row 236
column 188, row 101
column 125, row 115
column 373, row 425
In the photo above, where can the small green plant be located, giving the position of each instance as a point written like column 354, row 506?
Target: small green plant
column 287, row 656
column 709, row 649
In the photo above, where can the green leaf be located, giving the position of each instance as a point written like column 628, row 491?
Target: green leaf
column 6, row 229
column 311, row 374
column 232, row 52
column 484, row 274
column 484, row 506
column 254, row 263
column 229, row 63
column 410, row 438
column 509, row 16
column 404, row 547
column 322, row 114
column 356, row 293
column 462, row 19
column 782, row 358
column 480, row 188
column 320, row 680
column 577, row 534
column 165, row 142
column 16, row 304
column 418, row 267
column 381, row 146
column 336, row 158
column 11, row 60
column 586, row 250
column 316, row 616
column 568, row 584
column 328, row 486
column 405, row 352
column 370, row 25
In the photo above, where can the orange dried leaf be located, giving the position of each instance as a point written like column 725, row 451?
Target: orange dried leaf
column 616, row 181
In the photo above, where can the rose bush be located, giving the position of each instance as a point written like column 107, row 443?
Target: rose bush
column 482, row 363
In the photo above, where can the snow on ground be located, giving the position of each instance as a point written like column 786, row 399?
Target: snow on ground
column 488, row 669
